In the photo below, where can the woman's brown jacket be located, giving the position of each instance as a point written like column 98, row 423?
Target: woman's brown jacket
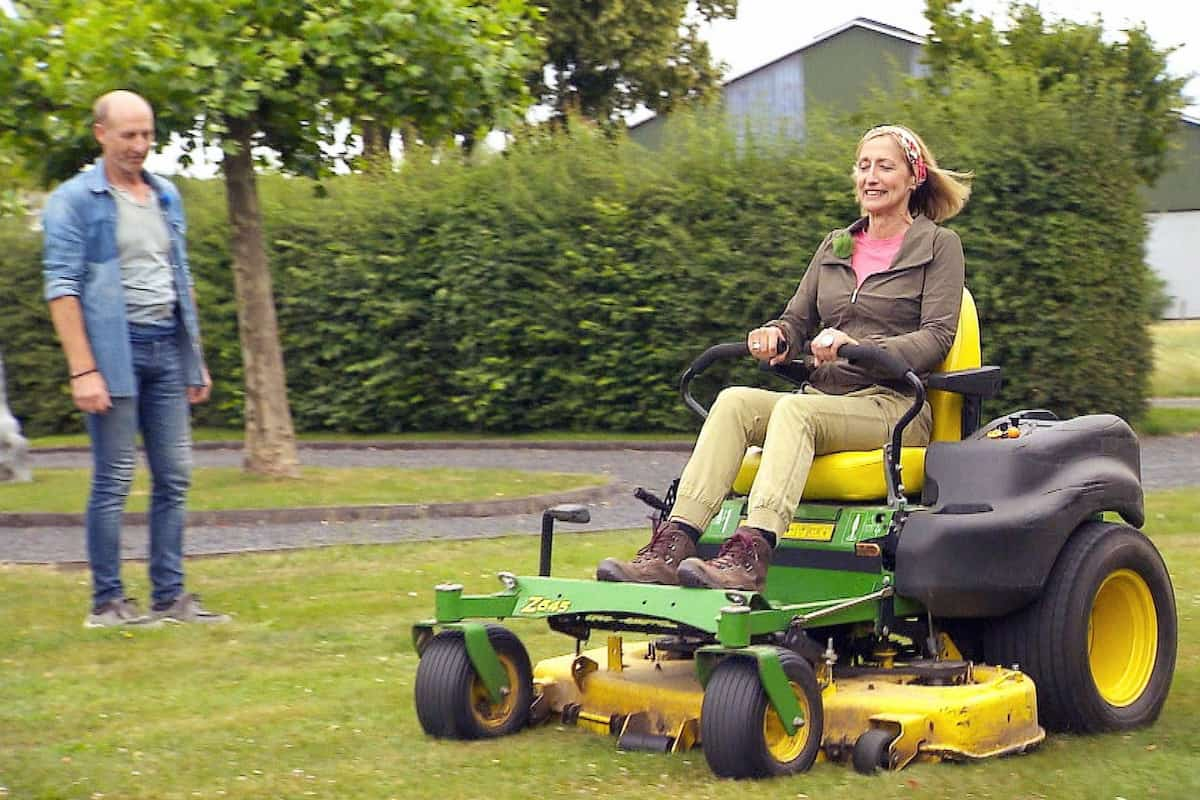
column 910, row 309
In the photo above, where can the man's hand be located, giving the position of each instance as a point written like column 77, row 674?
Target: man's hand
column 198, row 394
column 826, row 343
column 765, row 344
column 90, row 393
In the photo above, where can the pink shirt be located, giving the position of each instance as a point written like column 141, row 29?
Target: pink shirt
column 873, row 255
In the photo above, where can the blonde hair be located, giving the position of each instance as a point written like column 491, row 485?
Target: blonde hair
column 943, row 193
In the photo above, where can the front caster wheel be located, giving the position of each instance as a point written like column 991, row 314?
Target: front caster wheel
column 872, row 751
column 742, row 735
column 453, row 703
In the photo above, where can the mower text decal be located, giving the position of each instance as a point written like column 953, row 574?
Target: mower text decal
column 544, row 605
column 810, row 531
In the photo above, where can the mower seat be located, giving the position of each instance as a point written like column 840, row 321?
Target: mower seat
column 857, row 475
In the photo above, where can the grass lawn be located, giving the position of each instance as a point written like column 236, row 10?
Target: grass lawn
column 309, row 694
column 1164, row 421
column 1176, row 359
column 220, row 488
column 234, row 435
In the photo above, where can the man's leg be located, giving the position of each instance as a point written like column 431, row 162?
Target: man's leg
column 166, row 435
column 112, row 472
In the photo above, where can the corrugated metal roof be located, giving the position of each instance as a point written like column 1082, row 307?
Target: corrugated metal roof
column 857, row 22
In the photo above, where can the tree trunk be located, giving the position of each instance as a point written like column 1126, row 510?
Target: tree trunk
column 270, row 447
column 375, row 140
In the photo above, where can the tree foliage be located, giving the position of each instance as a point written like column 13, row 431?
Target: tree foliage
column 605, row 58
column 291, row 70
column 262, row 73
column 1075, row 54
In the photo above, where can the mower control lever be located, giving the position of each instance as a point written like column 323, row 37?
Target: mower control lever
column 890, row 367
column 567, row 512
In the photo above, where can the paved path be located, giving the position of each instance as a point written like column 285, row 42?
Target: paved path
column 1166, row 462
column 627, row 469
column 1175, row 402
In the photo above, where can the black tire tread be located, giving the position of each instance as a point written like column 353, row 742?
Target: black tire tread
column 442, row 670
column 1037, row 637
column 732, row 714
column 443, row 685
column 871, row 751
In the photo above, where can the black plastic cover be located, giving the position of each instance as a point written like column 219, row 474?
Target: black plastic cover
column 1002, row 508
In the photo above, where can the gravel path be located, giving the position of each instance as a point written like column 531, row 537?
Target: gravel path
column 1166, row 462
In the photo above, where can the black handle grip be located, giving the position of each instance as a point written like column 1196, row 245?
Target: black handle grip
column 718, row 352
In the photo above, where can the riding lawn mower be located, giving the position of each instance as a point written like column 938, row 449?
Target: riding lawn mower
column 952, row 601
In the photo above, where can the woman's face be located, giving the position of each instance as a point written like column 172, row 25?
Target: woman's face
column 883, row 180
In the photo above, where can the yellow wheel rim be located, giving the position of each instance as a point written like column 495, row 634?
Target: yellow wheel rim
column 493, row 715
column 784, row 748
column 1122, row 638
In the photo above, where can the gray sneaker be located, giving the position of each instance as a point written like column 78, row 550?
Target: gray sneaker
column 186, row 608
column 117, row 613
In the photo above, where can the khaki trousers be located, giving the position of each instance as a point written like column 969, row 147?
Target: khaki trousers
column 791, row 427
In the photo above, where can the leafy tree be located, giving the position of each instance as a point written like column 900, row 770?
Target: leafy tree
column 1074, row 53
column 249, row 74
column 604, row 58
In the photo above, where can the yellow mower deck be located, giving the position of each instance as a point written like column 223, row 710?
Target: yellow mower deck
column 624, row 691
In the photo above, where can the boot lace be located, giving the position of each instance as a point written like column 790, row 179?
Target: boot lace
column 737, row 551
column 662, row 542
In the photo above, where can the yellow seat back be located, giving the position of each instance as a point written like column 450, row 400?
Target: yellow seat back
column 965, row 353
column 857, row 475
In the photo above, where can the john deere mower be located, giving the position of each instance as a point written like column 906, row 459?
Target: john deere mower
column 942, row 602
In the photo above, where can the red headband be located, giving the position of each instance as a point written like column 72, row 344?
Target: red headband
column 908, row 144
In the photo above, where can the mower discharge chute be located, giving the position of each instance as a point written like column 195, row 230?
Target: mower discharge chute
column 951, row 625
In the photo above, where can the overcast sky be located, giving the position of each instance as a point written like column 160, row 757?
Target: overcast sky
column 767, row 29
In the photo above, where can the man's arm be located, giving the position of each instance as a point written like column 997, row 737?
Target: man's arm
column 88, row 388
column 199, row 394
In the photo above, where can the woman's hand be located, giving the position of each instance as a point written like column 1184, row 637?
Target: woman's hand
column 766, row 343
column 826, row 343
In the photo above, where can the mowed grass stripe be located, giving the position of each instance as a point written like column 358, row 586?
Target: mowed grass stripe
column 223, row 488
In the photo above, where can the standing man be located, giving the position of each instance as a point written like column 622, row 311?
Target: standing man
column 121, row 300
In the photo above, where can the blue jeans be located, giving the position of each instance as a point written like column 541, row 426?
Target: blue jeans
column 160, row 411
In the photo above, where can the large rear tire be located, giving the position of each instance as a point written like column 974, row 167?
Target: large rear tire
column 453, row 703
column 1100, row 641
column 742, row 735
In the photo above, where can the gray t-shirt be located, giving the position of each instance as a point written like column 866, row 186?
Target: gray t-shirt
column 144, row 247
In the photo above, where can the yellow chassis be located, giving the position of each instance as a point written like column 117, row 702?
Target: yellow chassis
column 623, row 690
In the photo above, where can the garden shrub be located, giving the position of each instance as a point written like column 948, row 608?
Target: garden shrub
column 566, row 283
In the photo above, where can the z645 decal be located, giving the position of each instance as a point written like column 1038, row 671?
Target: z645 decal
column 544, row 605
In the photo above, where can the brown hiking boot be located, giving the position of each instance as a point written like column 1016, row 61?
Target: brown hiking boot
column 741, row 564
column 654, row 563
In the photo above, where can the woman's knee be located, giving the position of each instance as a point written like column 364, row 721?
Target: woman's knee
column 798, row 409
column 735, row 397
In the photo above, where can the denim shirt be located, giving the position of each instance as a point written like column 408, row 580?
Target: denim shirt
column 80, row 260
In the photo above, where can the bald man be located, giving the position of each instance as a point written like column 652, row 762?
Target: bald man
column 121, row 300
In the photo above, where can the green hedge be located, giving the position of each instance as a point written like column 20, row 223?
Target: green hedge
column 566, row 284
